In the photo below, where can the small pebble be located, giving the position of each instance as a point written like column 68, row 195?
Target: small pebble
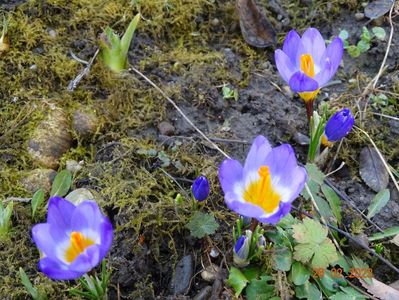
column 38, row 179
column 215, row 22
column 52, row 33
column 214, row 253
column 73, row 165
column 85, row 123
column 210, row 273
column 359, row 16
column 165, row 128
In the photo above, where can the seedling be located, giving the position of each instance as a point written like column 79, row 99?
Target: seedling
column 229, row 93
column 363, row 45
column 5, row 217
column 114, row 49
column 4, row 44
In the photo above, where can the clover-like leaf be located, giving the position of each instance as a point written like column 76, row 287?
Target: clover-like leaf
column 202, row 224
column 314, row 247
column 237, row 280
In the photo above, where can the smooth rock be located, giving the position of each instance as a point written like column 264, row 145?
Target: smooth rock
column 210, row 273
column 359, row 16
column 50, row 140
column 84, row 123
column 165, row 128
column 38, row 179
column 182, row 276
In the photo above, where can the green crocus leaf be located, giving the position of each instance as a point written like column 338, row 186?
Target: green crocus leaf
column 378, row 202
column 237, row 280
column 386, row 233
column 202, row 224
column 37, row 200
column 333, row 201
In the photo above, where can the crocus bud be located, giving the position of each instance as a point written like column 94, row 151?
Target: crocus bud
column 338, row 126
column 241, row 249
column 261, row 242
column 200, row 188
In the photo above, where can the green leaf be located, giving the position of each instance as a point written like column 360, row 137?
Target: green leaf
column 328, row 282
column 343, row 35
column 282, row 259
column 387, row 233
column 259, row 289
column 237, row 280
column 333, row 200
column 307, row 291
column 324, row 208
column 36, row 295
column 309, row 231
column 314, row 173
column 314, row 188
column 354, row 51
column 128, row 36
column 360, row 264
column 363, row 46
column 348, row 293
column 299, row 273
column 365, row 36
column 287, row 221
column 379, row 32
column 37, row 200
column 314, row 246
column 202, row 224
column 62, row 183
column 378, row 202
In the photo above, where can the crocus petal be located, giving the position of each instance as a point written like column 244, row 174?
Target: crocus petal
column 284, row 209
column 293, row 47
column 230, row 172
column 87, row 219
column 339, row 125
column 106, row 237
column 60, row 212
column 300, row 82
column 314, row 44
column 245, row 209
column 87, row 260
column 46, row 240
column 284, row 64
column 287, row 177
column 330, row 61
column 257, row 154
column 57, row 270
column 200, row 188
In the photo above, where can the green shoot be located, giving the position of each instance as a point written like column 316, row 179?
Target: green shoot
column 317, row 125
column 5, row 217
column 35, row 294
column 229, row 93
column 4, row 44
column 94, row 288
column 114, row 49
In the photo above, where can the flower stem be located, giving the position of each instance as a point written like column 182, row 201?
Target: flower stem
column 309, row 109
column 254, row 223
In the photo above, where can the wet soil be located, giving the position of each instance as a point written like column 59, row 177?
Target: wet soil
column 135, row 189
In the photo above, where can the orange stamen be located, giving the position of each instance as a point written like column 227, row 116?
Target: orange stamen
column 78, row 244
column 261, row 192
column 307, row 65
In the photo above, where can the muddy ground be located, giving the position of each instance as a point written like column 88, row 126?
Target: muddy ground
column 190, row 48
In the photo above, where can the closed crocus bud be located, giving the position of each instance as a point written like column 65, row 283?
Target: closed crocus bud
column 241, row 249
column 337, row 127
column 261, row 242
column 200, row 188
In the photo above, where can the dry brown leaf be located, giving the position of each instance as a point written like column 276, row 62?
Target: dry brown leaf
column 381, row 290
column 395, row 240
column 255, row 27
column 372, row 169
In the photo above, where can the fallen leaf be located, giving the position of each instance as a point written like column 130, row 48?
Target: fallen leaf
column 377, row 8
column 381, row 290
column 255, row 27
column 372, row 169
column 395, row 240
column 378, row 202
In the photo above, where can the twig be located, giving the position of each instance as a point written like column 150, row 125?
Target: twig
column 344, row 197
column 180, row 111
column 348, row 236
column 385, row 116
column 19, row 199
column 74, row 83
column 381, row 157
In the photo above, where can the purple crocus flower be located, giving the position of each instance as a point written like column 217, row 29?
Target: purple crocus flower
column 267, row 184
column 306, row 64
column 241, row 249
column 338, row 126
column 200, row 188
column 74, row 240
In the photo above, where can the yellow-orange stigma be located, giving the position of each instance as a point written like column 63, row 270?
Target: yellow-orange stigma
column 261, row 192
column 326, row 142
column 307, row 65
column 78, row 244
